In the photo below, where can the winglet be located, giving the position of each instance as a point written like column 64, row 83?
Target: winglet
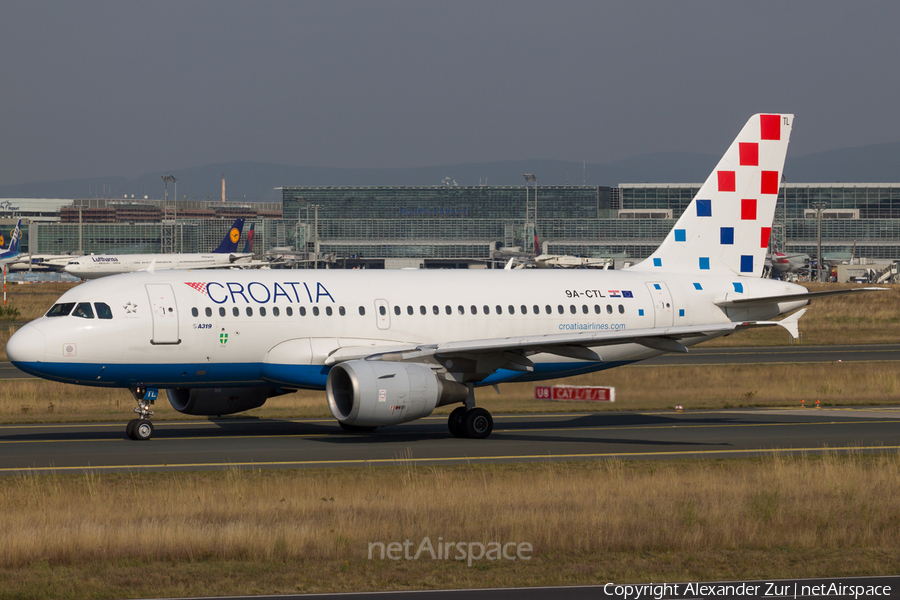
column 792, row 323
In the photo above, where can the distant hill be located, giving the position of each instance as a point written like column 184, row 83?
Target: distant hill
column 257, row 181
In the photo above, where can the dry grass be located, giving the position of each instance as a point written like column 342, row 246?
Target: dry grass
column 637, row 388
column 671, row 520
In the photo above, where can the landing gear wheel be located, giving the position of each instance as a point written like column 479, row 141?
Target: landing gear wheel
column 143, row 430
column 456, row 423
column 129, row 429
column 357, row 428
column 479, row 423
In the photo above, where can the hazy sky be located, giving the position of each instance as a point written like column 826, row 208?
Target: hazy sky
column 125, row 88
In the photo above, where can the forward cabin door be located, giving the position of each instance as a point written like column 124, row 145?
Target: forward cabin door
column 165, row 313
column 662, row 304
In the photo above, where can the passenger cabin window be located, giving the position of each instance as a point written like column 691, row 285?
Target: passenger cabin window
column 512, row 309
column 548, row 310
column 301, row 311
column 435, row 310
column 448, row 310
column 208, row 312
column 103, row 310
column 328, row 310
column 524, row 309
column 83, row 310
column 560, row 309
column 537, row 309
column 382, row 311
column 249, row 311
column 409, row 310
column 362, row 311
column 572, row 308
column 236, row 311
column 499, row 309
column 342, row 311
column 461, row 309
column 195, row 312
column 621, row 310
column 396, row 310
column 486, row 309
column 61, row 310
column 474, row 309
column 609, row 309
column 289, row 311
column 584, row 308
column 597, row 308
column 422, row 310
column 221, row 311
column 262, row 311
column 315, row 311
column 275, row 311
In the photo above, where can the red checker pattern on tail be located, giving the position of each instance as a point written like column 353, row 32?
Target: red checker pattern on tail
column 768, row 183
column 726, row 181
column 770, row 127
column 748, row 209
column 749, row 154
column 200, row 287
column 765, row 234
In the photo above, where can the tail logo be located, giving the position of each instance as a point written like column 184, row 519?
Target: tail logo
column 235, row 235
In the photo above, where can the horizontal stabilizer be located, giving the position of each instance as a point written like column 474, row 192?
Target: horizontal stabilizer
column 750, row 302
column 792, row 323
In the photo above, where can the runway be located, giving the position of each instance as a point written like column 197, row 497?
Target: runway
column 716, row 356
column 223, row 443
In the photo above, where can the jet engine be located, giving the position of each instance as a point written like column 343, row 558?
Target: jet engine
column 218, row 401
column 373, row 393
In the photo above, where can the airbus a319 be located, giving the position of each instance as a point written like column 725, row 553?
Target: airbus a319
column 389, row 347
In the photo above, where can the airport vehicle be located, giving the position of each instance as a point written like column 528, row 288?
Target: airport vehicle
column 10, row 253
column 390, row 346
column 93, row 266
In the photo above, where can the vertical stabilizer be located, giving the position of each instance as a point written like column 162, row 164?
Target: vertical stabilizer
column 230, row 241
column 248, row 247
column 13, row 248
column 726, row 228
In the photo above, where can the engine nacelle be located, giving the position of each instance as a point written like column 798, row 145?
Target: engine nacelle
column 373, row 393
column 218, row 401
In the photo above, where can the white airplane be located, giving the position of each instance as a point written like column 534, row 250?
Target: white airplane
column 390, row 346
column 100, row 265
column 10, row 253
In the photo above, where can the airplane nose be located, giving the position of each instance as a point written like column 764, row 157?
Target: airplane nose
column 26, row 345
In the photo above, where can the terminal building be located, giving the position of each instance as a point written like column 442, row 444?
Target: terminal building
column 454, row 226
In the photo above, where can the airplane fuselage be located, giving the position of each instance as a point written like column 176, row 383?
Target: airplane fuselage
column 234, row 328
column 102, row 265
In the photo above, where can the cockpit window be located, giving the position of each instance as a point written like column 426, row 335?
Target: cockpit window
column 103, row 310
column 61, row 310
column 83, row 310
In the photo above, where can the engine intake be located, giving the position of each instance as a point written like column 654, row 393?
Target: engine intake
column 218, row 401
column 374, row 393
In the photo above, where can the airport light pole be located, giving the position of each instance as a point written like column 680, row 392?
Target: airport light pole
column 531, row 213
column 819, row 206
column 315, row 208
column 166, row 179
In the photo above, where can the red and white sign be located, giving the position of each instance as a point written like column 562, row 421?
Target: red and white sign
column 575, row 393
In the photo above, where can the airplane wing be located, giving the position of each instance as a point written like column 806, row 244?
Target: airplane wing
column 511, row 352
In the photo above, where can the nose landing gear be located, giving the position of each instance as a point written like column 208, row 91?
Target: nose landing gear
column 141, row 428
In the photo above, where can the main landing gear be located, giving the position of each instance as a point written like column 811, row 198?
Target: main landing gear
column 470, row 422
column 141, row 428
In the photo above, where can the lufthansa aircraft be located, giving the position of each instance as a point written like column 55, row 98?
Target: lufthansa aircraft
column 101, row 265
column 10, row 253
column 390, row 346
